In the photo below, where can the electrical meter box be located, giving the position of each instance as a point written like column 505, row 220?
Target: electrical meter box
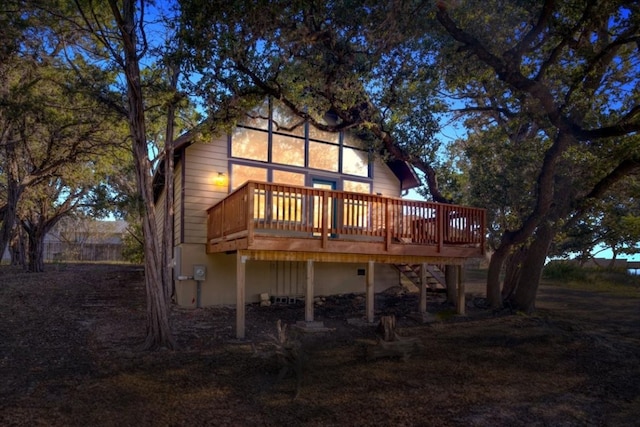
column 199, row 272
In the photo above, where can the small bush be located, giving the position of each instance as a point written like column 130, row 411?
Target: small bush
column 564, row 271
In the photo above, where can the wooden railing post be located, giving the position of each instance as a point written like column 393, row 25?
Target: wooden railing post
column 325, row 218
column 440, row 217
column 388, row 230
column 222, row 215
column 249, row 200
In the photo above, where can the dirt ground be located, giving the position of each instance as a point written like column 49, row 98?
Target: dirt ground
column 69, row 339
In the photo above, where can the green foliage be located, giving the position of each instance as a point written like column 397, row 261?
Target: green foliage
column 367, row 63
column 564, row 272
column 612, row 222
column 570, row 275
column 133, row 244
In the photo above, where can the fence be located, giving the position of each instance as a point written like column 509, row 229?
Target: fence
column 64, row 251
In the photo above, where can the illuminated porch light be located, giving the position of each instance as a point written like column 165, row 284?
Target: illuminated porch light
column 220, row 180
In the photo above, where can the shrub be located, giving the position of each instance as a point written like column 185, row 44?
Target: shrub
column 564, row 271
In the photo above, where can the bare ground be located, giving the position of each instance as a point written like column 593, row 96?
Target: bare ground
column 68, row 356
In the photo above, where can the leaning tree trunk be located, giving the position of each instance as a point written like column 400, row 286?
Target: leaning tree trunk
column 524, row 296
column 513, row 270
column 494, row 291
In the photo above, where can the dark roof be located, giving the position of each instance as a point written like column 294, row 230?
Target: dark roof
column 405, row 173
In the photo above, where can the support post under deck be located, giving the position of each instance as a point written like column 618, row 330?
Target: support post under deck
column 423, row 288
column 370, row 291
column 308, row 299
column 241, row 263
column 461, row 298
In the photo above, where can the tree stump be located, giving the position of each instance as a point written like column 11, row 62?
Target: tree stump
column 387, row 328
column 289, row 355
column 390, row 344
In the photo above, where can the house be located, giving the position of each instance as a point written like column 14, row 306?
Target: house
column 282, row 208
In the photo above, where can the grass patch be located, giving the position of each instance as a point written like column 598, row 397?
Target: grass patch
column 618, row 282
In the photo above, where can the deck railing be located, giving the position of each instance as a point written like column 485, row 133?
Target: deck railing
column 258, row 208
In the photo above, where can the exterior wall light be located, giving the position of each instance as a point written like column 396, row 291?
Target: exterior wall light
column 220, row 180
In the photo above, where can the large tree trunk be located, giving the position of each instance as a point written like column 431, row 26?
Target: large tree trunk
column 36, row 250
column 18, row 248
column 167, row 231
column 494, row 288
column 14, row 190
column 524, row 296
column 158, row 328
column 513, row 271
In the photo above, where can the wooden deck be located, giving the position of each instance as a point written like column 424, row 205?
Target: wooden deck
column 274, row 221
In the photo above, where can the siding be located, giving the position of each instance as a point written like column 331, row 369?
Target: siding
column 202, row 163
column 160, row 217
column 384, row 180
column 177, row 204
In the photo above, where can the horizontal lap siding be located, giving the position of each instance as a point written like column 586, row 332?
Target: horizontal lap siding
column 203, row 161
column 384, row 180
column 177, row 200
column 160, row 217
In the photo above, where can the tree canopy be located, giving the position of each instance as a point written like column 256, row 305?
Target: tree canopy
column 547, row 93
column 556, row 86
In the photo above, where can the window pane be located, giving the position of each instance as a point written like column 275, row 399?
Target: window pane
column 356, row 187
column 287, row 150
column 284, row 177
column 355, row 162
column 284, row 120
column 320, row 135
column 258, row 117
column 241, row 174
column 351, row 140
column 249, row 144
column 323, row 156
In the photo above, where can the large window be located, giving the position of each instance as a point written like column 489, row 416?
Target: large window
column 287, row 150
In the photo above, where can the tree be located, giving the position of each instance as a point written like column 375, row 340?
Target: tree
column 46, row 126
column 110, row 39
column 553, row 85
column 41, row 211
column 350, row 60
column 126, row 50
column 570, row 73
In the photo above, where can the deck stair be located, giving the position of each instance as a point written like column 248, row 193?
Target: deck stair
column 435, row 275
